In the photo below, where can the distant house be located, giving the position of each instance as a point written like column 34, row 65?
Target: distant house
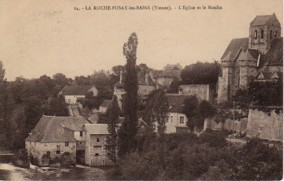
column 176, row 120
column 55, row 136
column 96, row 153
column 146, row 85
column 201, row 91
column 72, row 93
column 104, row 106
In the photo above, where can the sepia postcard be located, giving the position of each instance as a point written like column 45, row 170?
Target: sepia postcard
column 141, row 90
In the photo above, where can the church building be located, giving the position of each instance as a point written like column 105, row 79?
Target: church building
column 247, row 59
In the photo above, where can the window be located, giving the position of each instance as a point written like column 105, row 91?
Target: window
column 275, row 34
column 98, row 139
column 271, row 35
column 48, row 153
column 58, row 149
column 181, row 119
column 255, row 34
column 167, row 119
column 172, row 119
column 81, row 133
column 66, row 143
column 261, row 34
column 97, row 154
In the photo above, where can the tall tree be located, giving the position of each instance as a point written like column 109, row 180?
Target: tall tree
column 128, row 130
column 156, row 111
column 113, row 118
column 3, row 99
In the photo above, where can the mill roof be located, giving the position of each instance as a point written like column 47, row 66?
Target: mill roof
column 260, row 20
column 54, row 129
column 76, row 89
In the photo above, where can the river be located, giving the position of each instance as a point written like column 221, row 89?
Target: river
column 11, row 172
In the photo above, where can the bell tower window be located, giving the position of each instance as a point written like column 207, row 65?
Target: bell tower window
column 255, row 34
column 275, row 34
column 261, row 34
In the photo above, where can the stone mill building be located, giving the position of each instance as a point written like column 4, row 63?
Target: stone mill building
column 246, row 58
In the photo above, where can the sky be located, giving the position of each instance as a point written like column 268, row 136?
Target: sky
column 44, row 37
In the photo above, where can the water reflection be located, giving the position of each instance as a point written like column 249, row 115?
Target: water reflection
column 10, row 172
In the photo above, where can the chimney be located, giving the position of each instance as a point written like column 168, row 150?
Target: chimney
column 147, row 79
column 120, row 77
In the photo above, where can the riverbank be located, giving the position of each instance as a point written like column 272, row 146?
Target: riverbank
column 11, row 172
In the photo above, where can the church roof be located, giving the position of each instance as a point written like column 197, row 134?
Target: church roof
column 234, row 47
column 260, row 20
column 249, row 54
column 55, row 129
column 145, row 80
column 275, row 54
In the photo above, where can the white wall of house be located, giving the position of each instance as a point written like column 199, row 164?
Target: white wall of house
column 72, row 99
column 96, row 154
column 94, row 90
column 165, row 81
column 38, row 150
column 201, row 91
column 173, row 121
column 80, row 137
column 144, row 90
column 102, row 109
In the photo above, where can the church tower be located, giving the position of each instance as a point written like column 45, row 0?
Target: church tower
column 262, row 31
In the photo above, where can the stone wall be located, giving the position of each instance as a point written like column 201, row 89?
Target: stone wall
column 239, row 126
column 202, row 91
column 39, row 150
column 223, row 83
column 266, row 123
column 96, row 153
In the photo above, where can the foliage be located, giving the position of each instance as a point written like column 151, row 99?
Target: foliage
column 261, row 93
column 201, row 73
column 82, row 80
column 220, row 171
column 135, row 166
column 197, row 112
column 26, row 101
column 257, row 161
column 113, row 119
column 4, row 106
column 190, row 158
column 128, row 129
column 156, row 111
column 213, row 138
column 174, row 86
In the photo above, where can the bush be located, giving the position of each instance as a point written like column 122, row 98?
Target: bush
column 213, row 138
column 67, row 160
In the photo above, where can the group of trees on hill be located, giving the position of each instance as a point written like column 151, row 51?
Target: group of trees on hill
column 24, row 101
